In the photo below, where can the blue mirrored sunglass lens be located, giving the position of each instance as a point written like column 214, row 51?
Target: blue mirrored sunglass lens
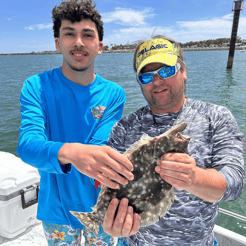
column 146, row 78
column 163, row 73
column 166, row 72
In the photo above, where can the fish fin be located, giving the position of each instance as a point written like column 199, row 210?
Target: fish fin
column 145, row 138
column 88, row 220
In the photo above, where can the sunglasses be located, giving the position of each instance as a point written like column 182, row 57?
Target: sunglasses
column 163, row 73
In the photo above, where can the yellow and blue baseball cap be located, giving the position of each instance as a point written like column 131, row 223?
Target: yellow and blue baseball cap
column 156, row 50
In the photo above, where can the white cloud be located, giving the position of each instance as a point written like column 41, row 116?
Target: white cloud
column 36, row 47
column 209, row 29
column 29, row 28
column 205, row 25
column 133, row 34
column 39, row 26
column 181, row 31
column 228, row 17
column 128, row 17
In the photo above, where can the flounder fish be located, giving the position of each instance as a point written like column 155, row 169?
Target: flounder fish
column 148, row 194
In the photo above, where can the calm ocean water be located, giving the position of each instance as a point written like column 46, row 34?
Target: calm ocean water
column 208, row 80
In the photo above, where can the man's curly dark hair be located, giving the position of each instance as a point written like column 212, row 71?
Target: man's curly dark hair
column 75, row 11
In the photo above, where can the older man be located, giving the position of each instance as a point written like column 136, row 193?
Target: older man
column 212, row 170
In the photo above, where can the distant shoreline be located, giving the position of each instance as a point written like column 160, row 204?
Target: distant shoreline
column 120, row 51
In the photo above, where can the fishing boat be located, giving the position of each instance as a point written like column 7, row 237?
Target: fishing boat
column 243, row 50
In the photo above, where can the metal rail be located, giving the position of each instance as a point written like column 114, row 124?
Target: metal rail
column 234, row 215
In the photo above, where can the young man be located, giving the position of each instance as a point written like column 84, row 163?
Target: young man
column 212, row 170
column 66, row 113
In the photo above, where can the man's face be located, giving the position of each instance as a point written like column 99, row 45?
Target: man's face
column 164, row 95
column 79, row 44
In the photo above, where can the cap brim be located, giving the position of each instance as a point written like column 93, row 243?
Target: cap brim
column 167, row 59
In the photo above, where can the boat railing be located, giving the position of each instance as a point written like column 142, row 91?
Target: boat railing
column 234, row 215
column 227, row 237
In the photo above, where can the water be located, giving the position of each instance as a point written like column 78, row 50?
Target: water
column 208, row 80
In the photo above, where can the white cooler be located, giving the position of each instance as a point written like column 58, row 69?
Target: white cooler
column 19, row 185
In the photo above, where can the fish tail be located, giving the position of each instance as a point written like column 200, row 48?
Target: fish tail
column 88, row 220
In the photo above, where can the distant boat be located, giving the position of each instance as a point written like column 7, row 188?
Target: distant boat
column 243, row 50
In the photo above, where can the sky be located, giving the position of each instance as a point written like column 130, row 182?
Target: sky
column 26, row 25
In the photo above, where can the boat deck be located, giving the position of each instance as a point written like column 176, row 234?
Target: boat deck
column 34, row 236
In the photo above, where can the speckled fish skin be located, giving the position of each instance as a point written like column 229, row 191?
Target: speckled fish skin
column 148, row 194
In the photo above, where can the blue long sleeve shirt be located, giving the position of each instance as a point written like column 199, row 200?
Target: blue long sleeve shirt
column 54, row 111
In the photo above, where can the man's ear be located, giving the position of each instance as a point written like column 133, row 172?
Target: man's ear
column 100, row 48
column 184, row 71
column 57, row 43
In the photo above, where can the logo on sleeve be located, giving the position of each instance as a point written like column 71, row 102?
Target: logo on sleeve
column 97, row 112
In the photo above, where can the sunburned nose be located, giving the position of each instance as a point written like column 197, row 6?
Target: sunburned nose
column 157, row 79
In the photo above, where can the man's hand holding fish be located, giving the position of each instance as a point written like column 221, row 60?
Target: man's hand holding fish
column 99, row 162
column 125, row 224
column 181, row 172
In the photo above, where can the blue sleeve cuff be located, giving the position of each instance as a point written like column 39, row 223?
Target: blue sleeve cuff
column 53, row 159
column 66, row 168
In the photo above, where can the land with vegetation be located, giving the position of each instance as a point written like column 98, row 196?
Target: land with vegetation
column 210, row 44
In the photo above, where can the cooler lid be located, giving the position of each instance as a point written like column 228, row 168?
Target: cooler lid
column 15, row 175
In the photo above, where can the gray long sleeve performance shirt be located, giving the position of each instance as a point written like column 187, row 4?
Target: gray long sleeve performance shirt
column 216, row 142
